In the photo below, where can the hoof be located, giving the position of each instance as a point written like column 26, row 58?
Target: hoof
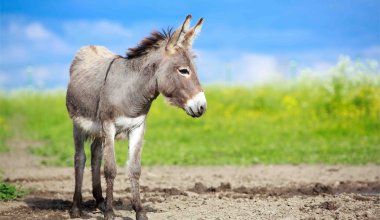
column 101, row 205
column 141, row 216
column 109, row 215
column 75, row 212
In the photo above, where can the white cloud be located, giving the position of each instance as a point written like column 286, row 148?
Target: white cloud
column 111, row 34
column 96, row 30
column 25, row 42
column 318, row 68
column 43, row 75
column 3, row 78
column 211, row 67
column 373, row 52
column 13, row 54
column 256, row 68
column 48, row 75
column 45, row 40
column 97, row 27
column 246, row 68
column 252, row 68
column 36, row 31
column 48, row 51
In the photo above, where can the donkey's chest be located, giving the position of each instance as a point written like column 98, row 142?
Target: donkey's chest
column 122, row 125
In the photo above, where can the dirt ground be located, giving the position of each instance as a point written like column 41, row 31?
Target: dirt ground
column 213, row 192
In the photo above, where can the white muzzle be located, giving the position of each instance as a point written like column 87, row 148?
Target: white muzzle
column 197, row 105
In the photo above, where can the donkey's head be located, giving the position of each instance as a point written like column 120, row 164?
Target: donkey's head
column 177, row 76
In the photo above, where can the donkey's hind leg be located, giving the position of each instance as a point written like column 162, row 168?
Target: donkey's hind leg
column 96, row 159
column 79, row 160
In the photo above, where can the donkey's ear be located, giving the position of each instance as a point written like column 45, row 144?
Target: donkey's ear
column 178, row 36
column 192, row 34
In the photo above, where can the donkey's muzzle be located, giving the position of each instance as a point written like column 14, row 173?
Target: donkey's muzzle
column 196, row 106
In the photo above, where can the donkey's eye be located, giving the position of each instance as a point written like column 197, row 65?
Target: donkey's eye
column 184, row 71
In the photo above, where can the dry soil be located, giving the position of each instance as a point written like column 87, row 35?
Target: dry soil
column 212, row 192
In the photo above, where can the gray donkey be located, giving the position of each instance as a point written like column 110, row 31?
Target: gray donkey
column 109, row 97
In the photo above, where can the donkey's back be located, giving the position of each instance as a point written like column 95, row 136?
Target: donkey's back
column 87, row 74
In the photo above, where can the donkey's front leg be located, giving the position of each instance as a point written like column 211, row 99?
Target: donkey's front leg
column 109, row 166
column 134, row 168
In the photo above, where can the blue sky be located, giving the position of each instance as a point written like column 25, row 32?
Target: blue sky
column 241, row 41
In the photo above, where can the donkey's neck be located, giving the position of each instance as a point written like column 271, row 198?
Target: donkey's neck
column 147, row 63
column 130, row 88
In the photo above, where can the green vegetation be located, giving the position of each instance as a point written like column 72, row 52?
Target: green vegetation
column 10, row 192
column 5, row 131
column 334, row 120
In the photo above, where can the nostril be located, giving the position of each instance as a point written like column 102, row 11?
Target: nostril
column 202, row 109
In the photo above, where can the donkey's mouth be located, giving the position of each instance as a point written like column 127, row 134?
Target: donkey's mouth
column 196, row 106
column 193, row 114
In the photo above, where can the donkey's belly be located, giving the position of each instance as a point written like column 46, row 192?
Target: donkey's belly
column 88, row 126
column 122, row 124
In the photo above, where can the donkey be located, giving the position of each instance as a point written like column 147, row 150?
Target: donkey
column 109, row 97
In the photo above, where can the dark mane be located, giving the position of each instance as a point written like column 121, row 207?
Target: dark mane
column 149, row 42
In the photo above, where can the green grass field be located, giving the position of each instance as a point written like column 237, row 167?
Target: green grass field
column 334, row 120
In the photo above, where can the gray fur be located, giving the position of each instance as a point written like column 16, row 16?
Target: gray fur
column 105, row 87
